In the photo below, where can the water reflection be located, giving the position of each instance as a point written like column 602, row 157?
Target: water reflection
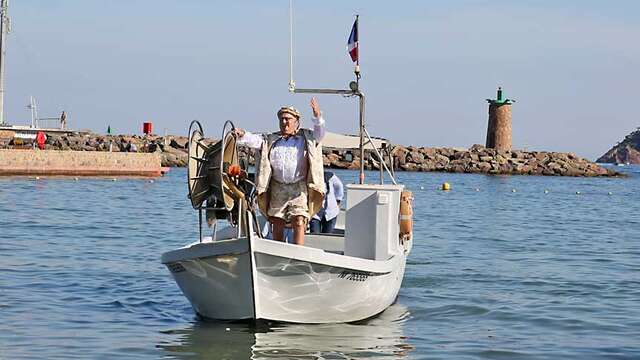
column 380, row 337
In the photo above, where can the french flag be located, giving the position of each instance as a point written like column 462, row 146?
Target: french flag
column 352, row 44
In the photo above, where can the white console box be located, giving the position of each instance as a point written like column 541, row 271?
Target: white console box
column 372, row 221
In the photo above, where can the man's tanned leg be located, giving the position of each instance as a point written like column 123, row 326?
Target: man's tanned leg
column 298, row 223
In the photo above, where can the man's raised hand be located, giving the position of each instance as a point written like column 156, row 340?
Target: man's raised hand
column 315, row 107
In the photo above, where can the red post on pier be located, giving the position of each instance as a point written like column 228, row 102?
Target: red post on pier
column 41, row 138
column 147, row 128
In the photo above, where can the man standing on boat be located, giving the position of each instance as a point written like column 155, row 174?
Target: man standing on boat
column 289, row 179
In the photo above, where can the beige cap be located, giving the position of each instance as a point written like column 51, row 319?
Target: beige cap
column 289, row 110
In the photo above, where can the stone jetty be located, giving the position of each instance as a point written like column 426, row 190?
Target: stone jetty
column 77, row 163
column 172, row 151
column 479, row 159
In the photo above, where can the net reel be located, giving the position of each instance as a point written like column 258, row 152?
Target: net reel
column 217, row 176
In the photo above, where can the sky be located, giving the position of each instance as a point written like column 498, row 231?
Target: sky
column 573, row 67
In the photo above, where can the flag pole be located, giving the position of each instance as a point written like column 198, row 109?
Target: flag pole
column 361, row 102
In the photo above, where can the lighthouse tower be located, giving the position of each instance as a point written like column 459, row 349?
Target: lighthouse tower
column 499, row 129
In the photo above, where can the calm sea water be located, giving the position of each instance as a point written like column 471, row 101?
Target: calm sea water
column 500, row 270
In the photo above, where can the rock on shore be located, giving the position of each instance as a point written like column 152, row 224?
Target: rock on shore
column 626, row 151
column 477, row 159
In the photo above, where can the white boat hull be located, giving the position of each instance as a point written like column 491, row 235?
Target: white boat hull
column 283, row 282
column 331, row 279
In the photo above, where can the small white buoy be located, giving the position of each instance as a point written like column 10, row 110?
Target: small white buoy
column 578, row 193
column 114, row 179
column 546, row 191
column 151, row 181
column 421, row 187
column 75, row 178
column 513, row 190
column 610, row 193
column 477, row 189
column 37, row 177
column 228, row 329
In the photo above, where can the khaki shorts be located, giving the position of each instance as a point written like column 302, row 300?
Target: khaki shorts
column 287, row 200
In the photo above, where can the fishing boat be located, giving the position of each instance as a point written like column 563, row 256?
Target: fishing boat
column 236, row 273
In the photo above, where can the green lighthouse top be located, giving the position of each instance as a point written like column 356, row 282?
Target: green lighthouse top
column 499, row 100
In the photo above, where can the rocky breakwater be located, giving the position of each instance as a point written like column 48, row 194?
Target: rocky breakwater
column 626, row 151
column 477, row 159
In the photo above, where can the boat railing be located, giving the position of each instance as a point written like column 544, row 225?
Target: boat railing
column 365, row 138
column 383, row 163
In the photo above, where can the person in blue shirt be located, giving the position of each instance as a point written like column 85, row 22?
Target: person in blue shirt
column 325, row 220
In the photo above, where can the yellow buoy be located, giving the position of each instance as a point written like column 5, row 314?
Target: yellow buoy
column 446, row 186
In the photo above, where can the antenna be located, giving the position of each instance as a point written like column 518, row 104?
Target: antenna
column 4, row 29
column 34, row 111
column 292, row 84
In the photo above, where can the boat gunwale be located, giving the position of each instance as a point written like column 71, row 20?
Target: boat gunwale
column 309, row 254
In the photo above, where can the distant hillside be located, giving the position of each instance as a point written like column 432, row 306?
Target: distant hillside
column 626, row 151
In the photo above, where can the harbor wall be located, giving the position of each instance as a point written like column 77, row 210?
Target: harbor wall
column 481, row 160
column 31, row 162
column 172, row 152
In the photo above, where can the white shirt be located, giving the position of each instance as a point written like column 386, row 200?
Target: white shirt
column 287, row 157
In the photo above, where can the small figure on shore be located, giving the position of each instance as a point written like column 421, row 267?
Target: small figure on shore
column 325, row 220
column 289, row 174
column 131, row 147
column 63, row 120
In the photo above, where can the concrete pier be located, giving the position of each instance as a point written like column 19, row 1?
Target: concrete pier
column 499, row 128
column 78, row 163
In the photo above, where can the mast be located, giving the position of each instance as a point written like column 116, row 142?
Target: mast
column 4, row 27
column 356, row 71
column 354, row 90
